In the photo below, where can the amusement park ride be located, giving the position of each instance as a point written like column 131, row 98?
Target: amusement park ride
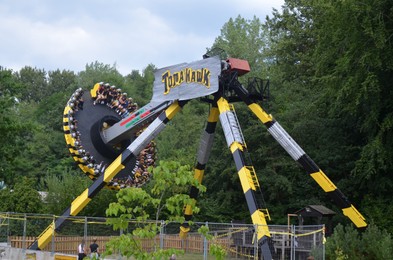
column 114, row 145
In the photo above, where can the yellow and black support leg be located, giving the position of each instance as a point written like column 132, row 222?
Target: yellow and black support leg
column 203, row 156
column 297, row 153
column 236, row 145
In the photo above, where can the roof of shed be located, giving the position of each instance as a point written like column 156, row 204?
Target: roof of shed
column 324, row 211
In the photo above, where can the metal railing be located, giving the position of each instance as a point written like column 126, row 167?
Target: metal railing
column 238, row 240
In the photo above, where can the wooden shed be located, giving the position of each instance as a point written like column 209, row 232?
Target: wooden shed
column 316, row 215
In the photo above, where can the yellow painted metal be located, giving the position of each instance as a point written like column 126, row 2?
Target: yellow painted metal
column 69, row 139
column 244, row 176
column 253, row 176
column 266, row 213
column 46, row 236
column 236, row 145
column 64, row 257
column 172, row 110
column 113, row 169
column 198, row 175
column 93, row 91
column 188, row 210
column 260, row 113
column 326, row 184
column 355, row 216
column 223, row 105
column 79, row 203
column 184, row 231
column 258, row 218
column 213, row 115
column 66, row 109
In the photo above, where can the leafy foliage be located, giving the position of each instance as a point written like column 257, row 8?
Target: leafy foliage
column 333, row 65
column 96, row 72
column 140, row 86
column 35, row 86
column 348, row 243
column 164, row 197
column 330, row 66
column 215, row 250
column 22, row 198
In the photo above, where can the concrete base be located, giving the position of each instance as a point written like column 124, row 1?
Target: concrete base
column 10, row 253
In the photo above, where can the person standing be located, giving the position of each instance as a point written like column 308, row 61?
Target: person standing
column 94, row 250
column 82, row 250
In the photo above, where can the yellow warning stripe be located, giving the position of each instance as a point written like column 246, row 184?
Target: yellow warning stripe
column 258, row 218
column 113, row 169
column 198, row 175
column 323, row 181
column 171, row 111
column 236, row 145
column 213, row 115
column 244, row 179
column 223, row 105
column 80, row 202
column 355, row 216
column 260, row 113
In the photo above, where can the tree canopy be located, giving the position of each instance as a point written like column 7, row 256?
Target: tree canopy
column 330, row 66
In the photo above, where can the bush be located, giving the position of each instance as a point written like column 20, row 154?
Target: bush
column 349, row 243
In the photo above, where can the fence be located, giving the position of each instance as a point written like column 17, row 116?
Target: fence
column 238, row 240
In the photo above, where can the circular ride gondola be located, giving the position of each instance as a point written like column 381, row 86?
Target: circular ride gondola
column 86, row 114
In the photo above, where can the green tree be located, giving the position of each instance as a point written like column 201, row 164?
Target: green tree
column 163, row 198
column 348, row 243
column 34, row 86
column 12, row 128
column 215, row 249
column 97, row 72
column 8, row 83
column 61, row 84
column 140, row 86
column 39, row 151
column 22, row 198
column 180, row 139
column 244, row 39
column 331, row 62
column 62, row 81
column 62, row 189
column 357, row 81
column 64, row 184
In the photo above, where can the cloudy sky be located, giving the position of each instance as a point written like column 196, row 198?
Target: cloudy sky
column 52, row 34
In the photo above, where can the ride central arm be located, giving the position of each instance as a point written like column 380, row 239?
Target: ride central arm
column 129, row 126
column 110, row 172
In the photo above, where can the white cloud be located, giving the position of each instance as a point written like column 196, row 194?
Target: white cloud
column 67, row 35
column 31, row 42
column 257, row 6
column 144, row 38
